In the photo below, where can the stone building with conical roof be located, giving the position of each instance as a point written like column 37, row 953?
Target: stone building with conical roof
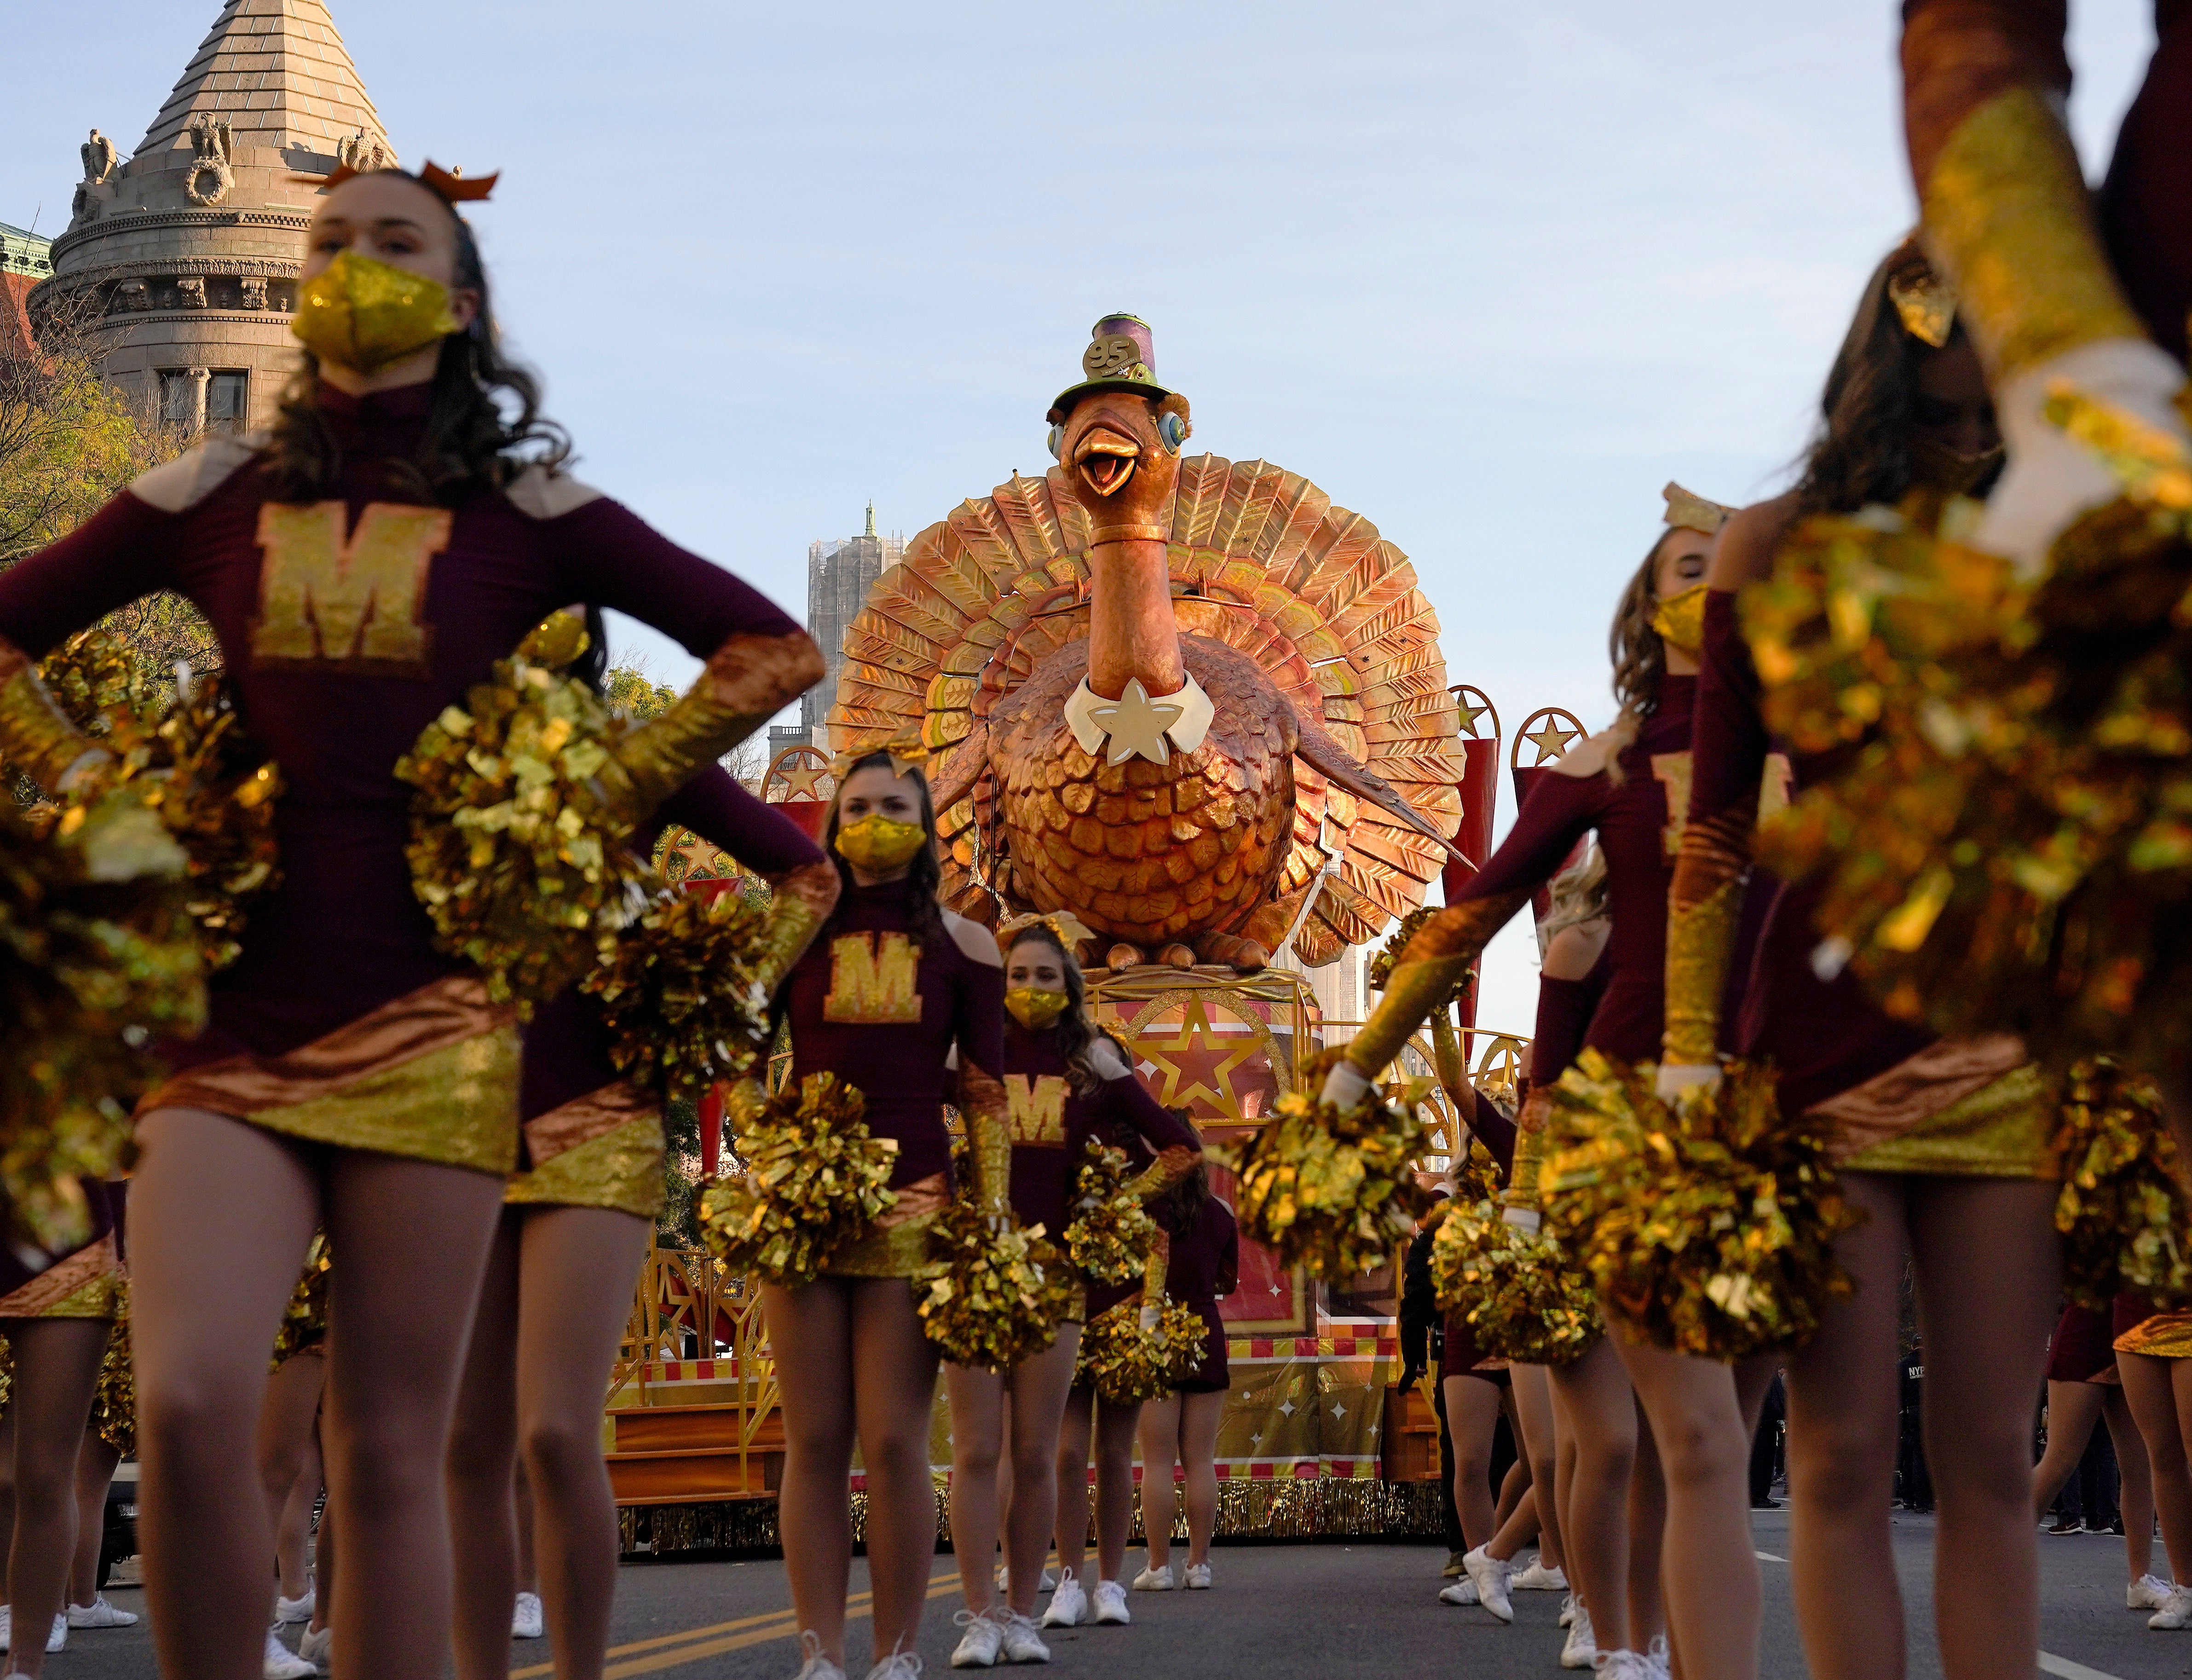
column 182, row 258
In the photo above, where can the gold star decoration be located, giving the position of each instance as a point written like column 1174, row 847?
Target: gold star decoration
column 803, row 782
column 1550, row 740
column 1200, row 1062
column 1468, row 714
column 1136, row 724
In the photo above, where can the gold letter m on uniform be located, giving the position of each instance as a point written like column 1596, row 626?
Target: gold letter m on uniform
column 352, row 600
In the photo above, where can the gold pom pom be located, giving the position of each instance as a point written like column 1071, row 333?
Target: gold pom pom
column 2008, row 844
column 1707, row 1228
column 1520, row 1293
column 815, row 1181
column 1379, row 970
column 305, row 1320
column 114, row 1401
column 516, row 851
column 997, row 1296
column 1335, row 1192
column 2125, row 1211
column 679, row 992
column 98, row 958
column 1137, row 1350
column 1111, row 1232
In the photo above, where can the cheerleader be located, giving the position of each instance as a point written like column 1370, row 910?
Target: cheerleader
column 558, row 1291
column 1201, row 1268
column 1943, row 1145
column 1617, row 784
column 363, row 566
column 1067, row 1082
column 290, row 1471
column 2084, row 1387
column 2154, row 1356
column 893, row 983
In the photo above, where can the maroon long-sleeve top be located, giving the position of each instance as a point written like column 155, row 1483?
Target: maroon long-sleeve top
column 863, row 1006
column 334, row 682
column 1203, row 1266
column 567, row 1046
column 1052, row 1124
column 1826, row 1036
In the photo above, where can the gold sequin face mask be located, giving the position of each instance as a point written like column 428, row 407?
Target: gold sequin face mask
column 1681, row 621
column 879, row 845
column 1942, row 468
column 362, row 315
column 1034, row 1008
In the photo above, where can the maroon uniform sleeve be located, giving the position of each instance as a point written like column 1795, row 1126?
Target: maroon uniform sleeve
column 1229, row 1253
column 1495, row 1131
column 979, row 1026
column 723, row 814
column 607, row 554
column 1127, row 1101
column 1560, row 811
column 124, row 551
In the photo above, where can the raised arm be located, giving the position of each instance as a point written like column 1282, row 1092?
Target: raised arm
column 1128, row 1102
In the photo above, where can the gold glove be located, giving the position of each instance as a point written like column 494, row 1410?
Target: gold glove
column 982, row 1102
column 748, row 680
column 1425, row 977
column 35, row 735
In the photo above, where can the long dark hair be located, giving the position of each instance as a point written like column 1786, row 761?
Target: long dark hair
column 1077, row 1034
column 923, row 877
column 1861, row 452
column 1182, row 1203
column 470, row 440
column 1638, row 651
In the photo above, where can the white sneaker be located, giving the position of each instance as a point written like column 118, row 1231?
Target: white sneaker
column 816, row 1666
column 525, row 1616
column 1658, row 1658
column 1624, row 1665
column 1022, row 1643
column 1461, row 1591
column 1198, row 1577
column 316, row 1646
column 1490, row 1574
column 1538, row 1579
column 100, row 1613
column 4, row 1615
column 897, row 1665
column 286, row 1610
column 282, row 1663
column 1068, row 1605
column 2176, row 1614
column 1568, row 1611
column 1004, row 1580
column 2147, row 1593
column 1111, row 1604
column 1581, row 1650
column 57, row 1637
column 979, row 1645
column 1154, row 1581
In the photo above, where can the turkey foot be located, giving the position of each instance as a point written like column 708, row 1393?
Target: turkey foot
column 1122, row 956
column 1232, row 952
column 1177, row 957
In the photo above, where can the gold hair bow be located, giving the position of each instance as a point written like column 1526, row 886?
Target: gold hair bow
column 1062, row 923
column 1691, row 512
column 904, row 755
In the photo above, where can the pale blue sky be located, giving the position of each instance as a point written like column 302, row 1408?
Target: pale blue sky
column 1489, row 273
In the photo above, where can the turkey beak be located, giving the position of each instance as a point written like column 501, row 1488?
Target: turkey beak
column 1106, row 459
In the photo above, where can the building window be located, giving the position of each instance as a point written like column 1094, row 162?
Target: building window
column 179, row 399
column 197, row 399
column 228, row 402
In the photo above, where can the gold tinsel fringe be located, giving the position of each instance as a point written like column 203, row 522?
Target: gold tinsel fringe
column 995, row 1298
column 114, row 1402
column 814, row 1181
column 1707, row 1228
column 516, row 852
column 1522, row 1295
column 1334, row 1192
column 305, row 1320
column 2124, row 1212
column 1128, row 1361
column 679, row 992
column 1111, row 1233
column 2008, row 845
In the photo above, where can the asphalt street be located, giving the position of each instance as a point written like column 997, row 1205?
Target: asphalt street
column 1275, row 1612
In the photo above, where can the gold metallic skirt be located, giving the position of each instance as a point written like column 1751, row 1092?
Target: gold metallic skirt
column 430, row 1077
column 898, row 1245
column 86, row 1284
column 2166, row 1335
column 603, row 1150
column 1959, row 1108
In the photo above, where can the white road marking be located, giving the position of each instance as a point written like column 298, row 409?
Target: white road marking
column 1769, row 1557
column 2051, row 1664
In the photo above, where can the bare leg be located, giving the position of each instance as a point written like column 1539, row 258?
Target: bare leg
column 977, row 1400
column 482, row 1463
column 1533, row 1412
column 56, row 1369
column 208, row 1292
column 1518, row 1530
column 2149, row 1387
column 2137, row 1499
column 1071, row 1528
column 1564, row 1468
column 1515, row 1485
column 1647, row 1535
column 2073, row 1409
column 323, row 1570
column 894, row 1388
column 1704, row 1452
column 1472, row 1413
column 528, row 1560
column 1159, row 1434
column 810, row 1332
column 1199, row 1418
column 1116, row 1428
column 293, row 1535
column 94, row 1468
column 1842, row 1453
column 1990, row 1280
column 284, row 1444
column 1038, row 1399
column 577, row 1268
column 1596, row 1402
column 395, row 1357
column 7, row 1489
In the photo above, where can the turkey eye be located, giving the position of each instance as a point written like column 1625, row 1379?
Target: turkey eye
column 1174, row 430
column 1057, row 438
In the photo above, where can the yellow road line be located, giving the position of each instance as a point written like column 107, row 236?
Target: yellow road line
column 673, row 1650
